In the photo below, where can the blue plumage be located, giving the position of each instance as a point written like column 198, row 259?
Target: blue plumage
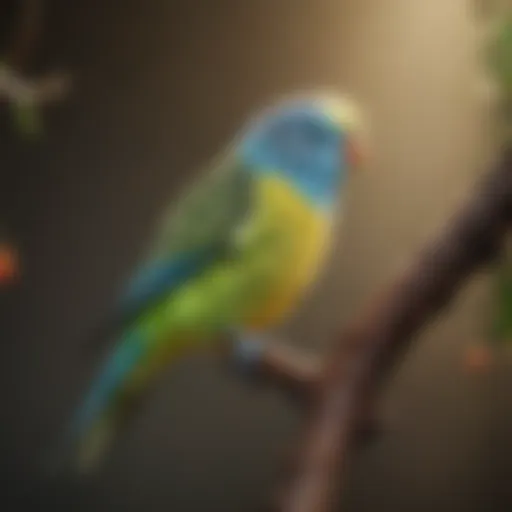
column 294, row 141
column 111, row 377
column 160, row 277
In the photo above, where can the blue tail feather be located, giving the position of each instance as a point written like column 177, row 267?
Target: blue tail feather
column 112, row 376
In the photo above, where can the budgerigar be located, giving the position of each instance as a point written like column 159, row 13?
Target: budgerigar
column 234, row 256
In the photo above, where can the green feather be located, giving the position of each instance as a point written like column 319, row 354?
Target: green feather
column 208, row 213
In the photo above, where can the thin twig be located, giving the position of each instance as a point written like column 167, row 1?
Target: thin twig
column 291, row 369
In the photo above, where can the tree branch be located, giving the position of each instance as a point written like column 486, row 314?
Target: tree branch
column 15, row 87
column 292, row 370
column 372, row 343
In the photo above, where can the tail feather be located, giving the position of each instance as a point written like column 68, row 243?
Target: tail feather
column 80, row 456
column 95, row 445
column 113, row 399
column 112, row 377
column 95, row 423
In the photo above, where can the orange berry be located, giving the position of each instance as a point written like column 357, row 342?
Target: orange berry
column 478, row 359
column 8, row 265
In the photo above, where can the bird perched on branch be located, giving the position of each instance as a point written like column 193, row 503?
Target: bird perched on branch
column 235, row 256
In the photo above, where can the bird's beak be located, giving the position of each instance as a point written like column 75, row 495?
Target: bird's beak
column 346, row 115
column 356, row 153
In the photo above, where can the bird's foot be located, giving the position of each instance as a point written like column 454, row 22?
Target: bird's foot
column 248, row 353
column 285, row 366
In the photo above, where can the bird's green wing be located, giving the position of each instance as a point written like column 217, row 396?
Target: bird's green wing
column 208, row 213
column 193, row 234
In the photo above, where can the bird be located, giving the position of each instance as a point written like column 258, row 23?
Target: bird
column 234, row 255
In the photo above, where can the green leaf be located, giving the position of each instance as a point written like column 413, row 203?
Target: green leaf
column 500, row 55
column 501, row 325
column 27, row 119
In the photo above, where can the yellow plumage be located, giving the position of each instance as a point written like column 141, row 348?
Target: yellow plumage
column 307, row 233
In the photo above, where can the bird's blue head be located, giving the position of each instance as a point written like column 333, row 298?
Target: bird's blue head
column 309, row 142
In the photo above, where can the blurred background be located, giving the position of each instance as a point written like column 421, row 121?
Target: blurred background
column 158, row 88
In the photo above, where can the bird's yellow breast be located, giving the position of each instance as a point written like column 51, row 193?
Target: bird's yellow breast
column 305, row 234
